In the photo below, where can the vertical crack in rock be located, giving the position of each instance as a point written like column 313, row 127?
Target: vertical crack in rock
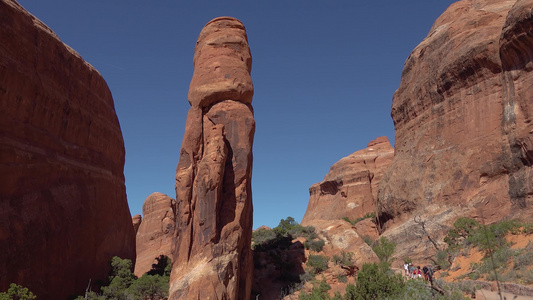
column 212, row 256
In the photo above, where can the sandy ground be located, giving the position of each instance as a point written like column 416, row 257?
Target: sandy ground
column 488, row 295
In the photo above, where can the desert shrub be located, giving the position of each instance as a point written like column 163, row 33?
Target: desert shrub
column 462, row 229
column 384, row 249
column 527, row 277
column 319, row 292
column 262, row 237
column 350, row 292
column 527, row 228
column 377, row 281
column 367, row 240
column 314, row 245
column 281, row 236
column 309, row 232
column 371, row 215
column 342, row 278
column 318, row 263
column 307, row 276
column 344, row 259
column 523, row 260
column 442, row 259
column 491, row 237
column 123, row 284
column 337, row 296
column 474, row 275
column 152, row 287
column 120, row 279
column 16, row 291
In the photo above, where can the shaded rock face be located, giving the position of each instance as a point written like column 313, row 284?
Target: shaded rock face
column 63, row 208
column 156, row 231
column 462, row 116
column 351, row 185
column 212, row 258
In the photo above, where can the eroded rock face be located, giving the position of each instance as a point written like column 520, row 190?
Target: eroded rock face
column 63, row 208
column 462, row 116
column 212, row 257
column 351, row 185
column 136, row 221
column 156, row 231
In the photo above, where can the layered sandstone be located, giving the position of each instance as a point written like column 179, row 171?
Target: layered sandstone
column 212, row 257
column 462, row 117
column 351, row 185
column 156, row 231
column 63, row 208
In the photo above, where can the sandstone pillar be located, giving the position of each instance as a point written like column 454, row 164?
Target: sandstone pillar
column 212, row 258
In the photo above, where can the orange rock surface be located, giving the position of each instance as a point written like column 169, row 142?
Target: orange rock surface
column 212, row 256
column 351, row 185
column 156, row 231
column 462, row 118
column 63, row 208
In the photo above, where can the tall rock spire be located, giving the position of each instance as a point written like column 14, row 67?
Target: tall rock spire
column 211, row 254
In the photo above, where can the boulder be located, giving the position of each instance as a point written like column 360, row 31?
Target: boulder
column 212, row 256
column 156, row 231
column 350, row 187
column 462, row 118
column 63, row 208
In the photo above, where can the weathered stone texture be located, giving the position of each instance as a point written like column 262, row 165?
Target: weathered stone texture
column 63, row 208
column 462, row 117
column 351, row 185
column 212, row 256
column 156, row 231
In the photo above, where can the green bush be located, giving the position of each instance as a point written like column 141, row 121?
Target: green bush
column 371, row 215
column 344, row 259
column 350, row 292
column 262, row 237
column 152, row 287
column 384, row 249
column 17, row 292
column 319, row 292
column 367, row 240
column 318, row 263
column 377, row 281
column 314, row 245
column 123, row 284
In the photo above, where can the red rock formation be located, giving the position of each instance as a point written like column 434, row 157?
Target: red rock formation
column 212, row 256
column 156, row 231
column 462, row 116
column 350, row 187
column 63, row 208
column 136, row 220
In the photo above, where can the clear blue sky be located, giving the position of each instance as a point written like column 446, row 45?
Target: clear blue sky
column 324, row 73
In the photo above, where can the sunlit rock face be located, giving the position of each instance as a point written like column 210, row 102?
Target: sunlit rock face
column 462, row 116
column 63, row 208
column 212, row 258
column 350, row 188
column 156, row 231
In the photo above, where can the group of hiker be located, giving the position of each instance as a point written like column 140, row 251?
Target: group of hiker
column 415, row 272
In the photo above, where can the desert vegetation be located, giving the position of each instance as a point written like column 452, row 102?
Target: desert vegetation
column 500, row 261
column 122, row 284
column 17, row 292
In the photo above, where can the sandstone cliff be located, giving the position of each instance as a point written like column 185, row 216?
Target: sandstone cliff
column 212, row 255
column 351, row 185
column 63, row 209
column 462, row 117
column 156, row 231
